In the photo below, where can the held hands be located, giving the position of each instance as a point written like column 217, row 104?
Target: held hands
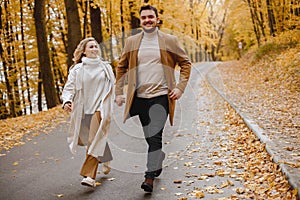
column 120, row 99
column 175, row 94
column 68, row 107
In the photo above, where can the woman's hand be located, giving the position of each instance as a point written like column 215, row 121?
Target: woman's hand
column 68, row 107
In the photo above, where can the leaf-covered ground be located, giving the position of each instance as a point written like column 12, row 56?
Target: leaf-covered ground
column 267, row 91
column 226, row 161
column 17, row 131
column 275, row 108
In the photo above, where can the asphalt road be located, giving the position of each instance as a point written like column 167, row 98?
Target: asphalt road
column 44, row 168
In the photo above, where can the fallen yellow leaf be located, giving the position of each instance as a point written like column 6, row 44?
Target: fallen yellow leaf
column 177, row 181
column 98, row 183
column 199, row 195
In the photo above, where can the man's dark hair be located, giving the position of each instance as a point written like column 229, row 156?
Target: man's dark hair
column 148, row 7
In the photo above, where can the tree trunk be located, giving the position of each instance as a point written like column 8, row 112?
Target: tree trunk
column 7, row 67
column 221, row 32
column 135, row 22
column 14, row 71
column 96, row 23
column 40, row 107
column 85, row 18
column 63, row 35
column 253, row 22
column 43, row 52
column 25, row 60
column 57, row 71
column 260, row 19
column 262, row 25
column 122, row 23
column 295, row 7
column 4, row 111
column 74, row 28
column 271, row 18
column 17, row 75
column 110, row 34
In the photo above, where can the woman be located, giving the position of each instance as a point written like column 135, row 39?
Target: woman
column 88, row 96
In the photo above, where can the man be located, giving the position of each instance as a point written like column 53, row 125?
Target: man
column 148, row 60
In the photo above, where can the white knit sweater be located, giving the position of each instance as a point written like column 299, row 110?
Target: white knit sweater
column 94, row 84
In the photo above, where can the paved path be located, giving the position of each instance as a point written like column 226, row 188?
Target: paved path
column 45, row 169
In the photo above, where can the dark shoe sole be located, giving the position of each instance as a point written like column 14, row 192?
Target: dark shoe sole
column 147, row 187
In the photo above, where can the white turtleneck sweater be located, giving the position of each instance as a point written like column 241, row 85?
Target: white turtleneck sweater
column 151, row 81
column 94, row 84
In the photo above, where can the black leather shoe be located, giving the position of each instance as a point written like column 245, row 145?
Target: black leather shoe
column 147, row 185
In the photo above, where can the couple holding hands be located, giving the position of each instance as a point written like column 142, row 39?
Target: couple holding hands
column 148, row 62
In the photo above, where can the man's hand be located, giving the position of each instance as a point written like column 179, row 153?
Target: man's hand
column 120, row 99
column 175, row 94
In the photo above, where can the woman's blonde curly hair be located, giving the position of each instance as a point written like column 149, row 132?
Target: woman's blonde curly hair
column 79, row 51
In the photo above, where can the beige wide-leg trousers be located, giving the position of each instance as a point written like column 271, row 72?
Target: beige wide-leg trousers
column 90, row 165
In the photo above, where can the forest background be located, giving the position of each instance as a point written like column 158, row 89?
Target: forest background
column 38, row 38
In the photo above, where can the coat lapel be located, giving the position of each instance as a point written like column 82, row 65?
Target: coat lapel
column 162, row 49
column 161, row 41
column 136, row 45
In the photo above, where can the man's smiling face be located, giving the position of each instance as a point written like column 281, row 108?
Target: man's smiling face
column 149, row 20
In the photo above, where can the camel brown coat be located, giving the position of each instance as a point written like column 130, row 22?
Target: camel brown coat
column 171, row 54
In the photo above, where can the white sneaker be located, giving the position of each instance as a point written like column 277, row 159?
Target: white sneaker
column 106, row 167
column 88, row 181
